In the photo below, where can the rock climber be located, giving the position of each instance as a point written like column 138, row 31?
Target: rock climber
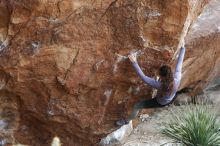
column 166, row 87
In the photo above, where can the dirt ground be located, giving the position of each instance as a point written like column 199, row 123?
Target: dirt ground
column 147, row 131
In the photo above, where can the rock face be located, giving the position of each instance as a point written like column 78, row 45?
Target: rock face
column 202, row 62
column 62, row 60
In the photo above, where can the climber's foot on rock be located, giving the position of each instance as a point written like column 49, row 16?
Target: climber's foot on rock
column 121, row 122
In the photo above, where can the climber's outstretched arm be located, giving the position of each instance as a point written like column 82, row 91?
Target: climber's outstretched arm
column 180, row 59
column 152, row 82
column 177, row 75
column 179, row 63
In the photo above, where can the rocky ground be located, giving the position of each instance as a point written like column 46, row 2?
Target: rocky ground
column 147, row 132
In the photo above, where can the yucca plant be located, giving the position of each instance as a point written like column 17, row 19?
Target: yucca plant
column 193, row 125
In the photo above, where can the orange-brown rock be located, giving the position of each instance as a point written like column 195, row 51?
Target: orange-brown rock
column 63, row 61
column 202, row 62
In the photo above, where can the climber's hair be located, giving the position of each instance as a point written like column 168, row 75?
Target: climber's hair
column 164, row 71
column 166, row 77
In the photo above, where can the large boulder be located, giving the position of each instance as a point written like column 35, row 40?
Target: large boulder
column 202, row 63
column 63, row 61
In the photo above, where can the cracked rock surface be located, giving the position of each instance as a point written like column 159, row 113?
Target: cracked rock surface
column 63, row 61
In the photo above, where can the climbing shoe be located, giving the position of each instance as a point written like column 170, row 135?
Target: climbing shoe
column 121, row 122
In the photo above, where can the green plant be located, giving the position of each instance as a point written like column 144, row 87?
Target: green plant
column 193, row 125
